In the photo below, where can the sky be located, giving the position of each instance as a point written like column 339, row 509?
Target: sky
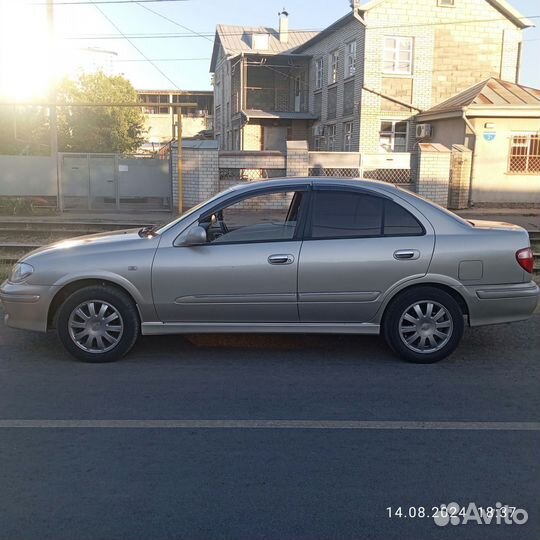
column 185, row 60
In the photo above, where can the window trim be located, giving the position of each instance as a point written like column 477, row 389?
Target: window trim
column 333, row 127
column 308, row 228
column 319, row 72
column 528, row 135
column 347, row 64
column 348, row 123
column 331, row 72
column 397, row 50
column 393, row 133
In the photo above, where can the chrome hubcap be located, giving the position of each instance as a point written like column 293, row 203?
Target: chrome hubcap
column 95, row 326
column 425, row 327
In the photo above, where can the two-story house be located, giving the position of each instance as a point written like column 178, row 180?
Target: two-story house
column 358, row 84
column 260, row 87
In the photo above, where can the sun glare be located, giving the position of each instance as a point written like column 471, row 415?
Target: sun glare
column 29, row 62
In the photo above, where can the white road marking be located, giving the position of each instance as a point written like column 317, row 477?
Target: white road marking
column 269, row 424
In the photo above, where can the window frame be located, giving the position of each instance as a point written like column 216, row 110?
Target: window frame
column 318, row 189
column 347, row 146
column 528, row 136
column 396, row 51
column 350, row 59
column 332, row 127
column 333, row 66
column 393, row 134
column 319, row 72
column 300, row 222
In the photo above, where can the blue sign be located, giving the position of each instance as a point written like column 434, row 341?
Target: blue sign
column 489, row 136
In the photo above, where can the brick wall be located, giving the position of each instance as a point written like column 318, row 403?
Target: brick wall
column 433, row 172
column 352, row 31
column 460, row 177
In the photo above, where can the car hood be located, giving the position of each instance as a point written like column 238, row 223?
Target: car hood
column 90, row 241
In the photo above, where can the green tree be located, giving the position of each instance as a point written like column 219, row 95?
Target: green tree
column 24, row 130
column 99, row 129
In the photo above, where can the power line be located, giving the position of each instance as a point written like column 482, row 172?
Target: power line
column 135, row 47
column 90, row 2
column 161, row 60
column 173, row 21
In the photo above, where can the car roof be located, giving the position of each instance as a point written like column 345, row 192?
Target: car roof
column 316, row 180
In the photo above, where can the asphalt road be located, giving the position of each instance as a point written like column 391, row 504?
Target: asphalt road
column 151, row 481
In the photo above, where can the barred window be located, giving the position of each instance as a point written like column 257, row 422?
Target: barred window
column 524, row 154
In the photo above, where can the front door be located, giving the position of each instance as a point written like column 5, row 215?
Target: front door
column 245, row 272
column 358, row 246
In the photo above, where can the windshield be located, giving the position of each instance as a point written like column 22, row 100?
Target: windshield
column 193, row 210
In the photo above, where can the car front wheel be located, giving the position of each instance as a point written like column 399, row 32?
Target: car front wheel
column 98, row 324
column 423, row 325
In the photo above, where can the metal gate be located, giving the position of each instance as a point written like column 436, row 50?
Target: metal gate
column 113, row 182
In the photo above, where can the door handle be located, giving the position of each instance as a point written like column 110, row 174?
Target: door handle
column 406, row 254
column 281, row 259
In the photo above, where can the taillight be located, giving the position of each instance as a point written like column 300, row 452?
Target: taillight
column 525, row 259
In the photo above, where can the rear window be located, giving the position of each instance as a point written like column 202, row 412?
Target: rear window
column 400, row 222
column 345, row 214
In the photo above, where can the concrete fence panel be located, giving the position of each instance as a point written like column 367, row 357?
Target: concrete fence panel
column 26, row 176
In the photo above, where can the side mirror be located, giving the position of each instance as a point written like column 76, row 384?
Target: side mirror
column 195, row 236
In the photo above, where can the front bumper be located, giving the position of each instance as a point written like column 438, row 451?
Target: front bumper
column 26, row 306
column 494, row 304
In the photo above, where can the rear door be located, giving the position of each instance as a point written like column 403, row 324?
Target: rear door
column 357, row 245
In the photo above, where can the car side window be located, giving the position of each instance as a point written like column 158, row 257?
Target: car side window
column 400, row 222
column 346, row 214
column 269, row 217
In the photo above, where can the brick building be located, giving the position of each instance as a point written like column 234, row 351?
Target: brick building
column 358, row 84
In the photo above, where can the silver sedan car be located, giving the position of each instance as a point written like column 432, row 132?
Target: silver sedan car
column 306, row 255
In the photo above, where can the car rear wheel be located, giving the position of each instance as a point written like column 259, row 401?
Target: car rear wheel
column 98, row 324
column 423, row 325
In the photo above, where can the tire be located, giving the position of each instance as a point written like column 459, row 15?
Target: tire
column 428, row 335
column 79, row 326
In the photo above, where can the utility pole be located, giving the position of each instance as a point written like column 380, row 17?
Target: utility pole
column 53, row 127
column 180, row 165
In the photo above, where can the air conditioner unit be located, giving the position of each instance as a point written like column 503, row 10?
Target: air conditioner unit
column 319, row 131
column 423, row 131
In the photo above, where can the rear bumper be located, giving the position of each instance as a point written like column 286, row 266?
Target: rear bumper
column 26, row 306
column 494, row 304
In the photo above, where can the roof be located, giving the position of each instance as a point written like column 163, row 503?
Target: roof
column 328, row 30
column 257, row 113
column 489, row 94
column 237, row 39
column 502, row 6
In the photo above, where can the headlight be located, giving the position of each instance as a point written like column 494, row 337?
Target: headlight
column 20, row 272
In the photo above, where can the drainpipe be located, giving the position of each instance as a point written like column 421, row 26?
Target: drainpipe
column 471, row 128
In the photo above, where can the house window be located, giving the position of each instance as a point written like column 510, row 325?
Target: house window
column 331, row 109
column 348, row 98
column 333, row 61
column 347, row 136
column 318, row 73
column 524, row 154
column 445, row 3
column 331, row 138
column 397, row 55
column 350, row 60
column 393, row 135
